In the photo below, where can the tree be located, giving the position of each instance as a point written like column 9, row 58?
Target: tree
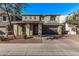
column 14, row 8
column 73, row 18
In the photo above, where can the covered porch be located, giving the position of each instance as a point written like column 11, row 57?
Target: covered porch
column 24, row 29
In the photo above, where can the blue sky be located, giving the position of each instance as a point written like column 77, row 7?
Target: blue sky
column 51, row 8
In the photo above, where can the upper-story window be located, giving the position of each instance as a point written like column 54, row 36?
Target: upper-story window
column 30, row 17
column 52, row 18
column 25, row 17
column 4, row 18
column 34, row 17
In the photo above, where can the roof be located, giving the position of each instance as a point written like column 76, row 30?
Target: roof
column 52, row 14
column 41, row 14
column 31, row 14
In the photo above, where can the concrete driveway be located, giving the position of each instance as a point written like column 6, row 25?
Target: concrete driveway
column 56, row 47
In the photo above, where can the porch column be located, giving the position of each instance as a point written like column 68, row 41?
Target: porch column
column 6, row 31
column 27, row 30
column 59, row 30
column 15, row 30
column 31, row 30
column 20, row 33
column 39, row 29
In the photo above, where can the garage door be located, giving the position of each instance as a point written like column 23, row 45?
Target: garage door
column 49, row 30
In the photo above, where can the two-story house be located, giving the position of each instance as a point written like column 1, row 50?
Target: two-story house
column 3, row 23
column 36, row 24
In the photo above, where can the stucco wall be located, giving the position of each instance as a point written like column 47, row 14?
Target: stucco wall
column 3, row 31
column 33, row 18
column 46, row 19
column 61, row 19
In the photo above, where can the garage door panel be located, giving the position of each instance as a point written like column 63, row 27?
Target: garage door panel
column 51, row 30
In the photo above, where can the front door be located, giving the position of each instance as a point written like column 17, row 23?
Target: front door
column 35, row 29
column 24, row 31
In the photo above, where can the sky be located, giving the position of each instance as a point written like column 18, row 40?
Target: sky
column 51, row 8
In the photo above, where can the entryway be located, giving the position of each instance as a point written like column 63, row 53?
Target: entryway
column 35, row 29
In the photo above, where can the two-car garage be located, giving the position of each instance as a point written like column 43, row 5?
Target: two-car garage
column 52, row 29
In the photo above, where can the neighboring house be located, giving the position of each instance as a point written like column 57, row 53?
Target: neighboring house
column 3, row 28
column 4, row 22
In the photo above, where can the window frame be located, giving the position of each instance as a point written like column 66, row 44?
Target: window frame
column 30, row 17
column 4, row 18
column 52, row 18
column 25, row 17
column 35, row 17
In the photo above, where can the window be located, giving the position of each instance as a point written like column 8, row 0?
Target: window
column 53, row 18
column 4, row 18
column 30, row 17
column 34, row 17
column 25, row 17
